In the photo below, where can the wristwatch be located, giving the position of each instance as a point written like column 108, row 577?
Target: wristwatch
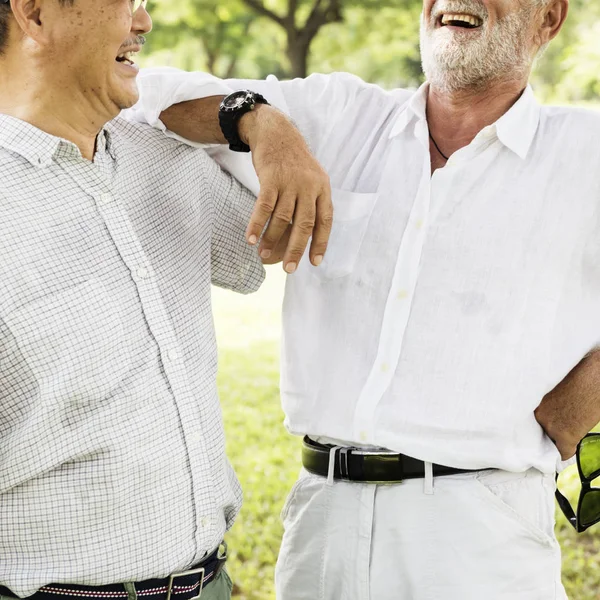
column 232, row 109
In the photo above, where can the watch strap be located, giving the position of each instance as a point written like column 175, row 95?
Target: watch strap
column 229, row 120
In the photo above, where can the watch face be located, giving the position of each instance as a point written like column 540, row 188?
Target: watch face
column 235, row 101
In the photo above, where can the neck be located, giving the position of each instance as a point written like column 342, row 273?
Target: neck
column 455, row 118
column 51, row 104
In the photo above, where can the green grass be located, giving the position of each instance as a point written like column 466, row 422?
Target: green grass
column 267, row 459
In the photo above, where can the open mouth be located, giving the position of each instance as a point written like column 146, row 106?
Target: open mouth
column 126, row 58
column 456, row 20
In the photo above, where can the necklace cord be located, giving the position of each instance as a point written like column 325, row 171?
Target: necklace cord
column 437, row 147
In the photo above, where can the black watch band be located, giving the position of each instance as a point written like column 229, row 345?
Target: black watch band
column 232, row 109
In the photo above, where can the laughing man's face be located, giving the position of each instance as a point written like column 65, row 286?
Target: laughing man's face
column 94, row 44
column 468, row 43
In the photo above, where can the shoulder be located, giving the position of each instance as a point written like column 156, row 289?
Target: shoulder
column 344, row 89
column 129, row 133
column 571, row 120
column 133, row 139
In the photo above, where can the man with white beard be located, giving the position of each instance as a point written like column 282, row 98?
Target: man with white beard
column 440, row 361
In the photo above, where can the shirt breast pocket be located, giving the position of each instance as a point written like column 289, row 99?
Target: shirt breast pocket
column 73, row 343
column 352, row 213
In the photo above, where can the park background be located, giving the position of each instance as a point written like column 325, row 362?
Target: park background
column 377, row 40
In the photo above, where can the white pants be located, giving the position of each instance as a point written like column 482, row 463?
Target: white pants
column 476, row 536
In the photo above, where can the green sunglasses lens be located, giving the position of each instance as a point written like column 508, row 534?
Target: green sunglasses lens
column 589, row 456
column 589, row 510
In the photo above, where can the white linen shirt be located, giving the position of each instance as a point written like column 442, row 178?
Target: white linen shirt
column 112, row 459
column 448, row 305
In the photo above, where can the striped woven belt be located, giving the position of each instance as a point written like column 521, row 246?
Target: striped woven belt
column 186, row 585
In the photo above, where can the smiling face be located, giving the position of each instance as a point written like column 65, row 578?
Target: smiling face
column 91, row 45
column 466, row 44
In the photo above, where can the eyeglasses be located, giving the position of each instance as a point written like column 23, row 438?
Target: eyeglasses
column 588, row 507
column 137, row 4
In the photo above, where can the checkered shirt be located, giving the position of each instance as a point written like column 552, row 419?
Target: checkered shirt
column 112, row 461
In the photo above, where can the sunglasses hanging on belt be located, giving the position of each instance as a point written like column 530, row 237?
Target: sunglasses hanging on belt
column 588, row 507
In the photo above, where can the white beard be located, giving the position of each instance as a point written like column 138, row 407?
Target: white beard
column 452, row 64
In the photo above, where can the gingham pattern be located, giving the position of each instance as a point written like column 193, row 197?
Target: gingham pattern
column 112, row 462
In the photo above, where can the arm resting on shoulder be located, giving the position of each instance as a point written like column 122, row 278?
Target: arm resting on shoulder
column 295, row 193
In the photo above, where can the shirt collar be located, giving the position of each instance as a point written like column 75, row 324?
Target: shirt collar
column 515, row 129
column 38, row 147
column 415, row 107
column 33, row 144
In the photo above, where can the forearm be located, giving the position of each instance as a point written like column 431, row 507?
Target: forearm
column 198, row 121
column 572, row 408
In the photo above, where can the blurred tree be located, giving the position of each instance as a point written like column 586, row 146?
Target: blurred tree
column 570, row 69
column 302, row 20
column 207, row 34
column 375, row 39
column 228, row 32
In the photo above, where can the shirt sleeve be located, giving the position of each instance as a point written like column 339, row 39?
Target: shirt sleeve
column 316, row 105
column 162, row 87
column 235, row 265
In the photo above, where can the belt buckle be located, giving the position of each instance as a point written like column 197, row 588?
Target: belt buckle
column 200, row 570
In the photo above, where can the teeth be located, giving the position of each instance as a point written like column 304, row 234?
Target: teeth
column 471, row 20
column 127, row 56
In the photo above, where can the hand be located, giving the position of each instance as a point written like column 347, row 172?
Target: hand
column 294, row 189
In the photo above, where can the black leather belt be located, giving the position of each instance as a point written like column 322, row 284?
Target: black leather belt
column 367, row 466
column 186, row 585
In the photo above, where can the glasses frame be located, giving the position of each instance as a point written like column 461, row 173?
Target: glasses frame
column 574, row 517
column 140, row 4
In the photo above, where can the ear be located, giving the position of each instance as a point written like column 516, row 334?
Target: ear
column 554, row 16
column 28, row 15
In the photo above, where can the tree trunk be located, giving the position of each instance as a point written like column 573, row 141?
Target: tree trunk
column 297, row 53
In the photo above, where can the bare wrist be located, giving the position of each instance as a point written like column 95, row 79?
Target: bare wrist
column 255, row 122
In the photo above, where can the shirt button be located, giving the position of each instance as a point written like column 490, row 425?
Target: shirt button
column 142, row 273
column 205, row 521
column 196, row 437
column 419, row 224
column 363, row 436
column 402, row 295
column 488, row 133
column 173, row 355
column 385, row 367
column 106, row 199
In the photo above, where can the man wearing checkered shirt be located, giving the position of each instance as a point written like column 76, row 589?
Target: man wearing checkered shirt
column 112, row 461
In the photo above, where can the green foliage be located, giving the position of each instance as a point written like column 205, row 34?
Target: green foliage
column 380, row 46
column 375, row 39
column 267, row 461
column 568, row 72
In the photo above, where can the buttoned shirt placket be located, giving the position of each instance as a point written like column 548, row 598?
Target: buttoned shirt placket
column 433, row 193
column 94, row 180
